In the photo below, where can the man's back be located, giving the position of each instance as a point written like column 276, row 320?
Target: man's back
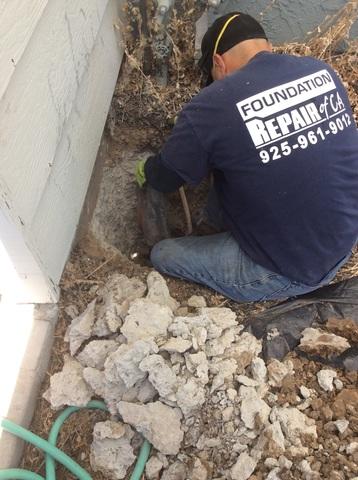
column 281, row 141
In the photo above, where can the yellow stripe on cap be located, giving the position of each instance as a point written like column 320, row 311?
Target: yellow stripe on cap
column 223, row 31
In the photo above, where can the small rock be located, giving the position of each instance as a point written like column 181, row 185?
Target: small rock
column 149, row 420
column 318, row 342
column 111, row 451
column 80, row 328
column 123, row 364
column 341, row 425
column 231, row 394
column 249, row 382
column 254, row 412
column 338, row 383
column 220, row 318
column 197, row 301
column 295, row 424
column 146, row 320
column 153, row 468
column 244, row 467
column 176, row 345
column 346, row 400
column 217, row 346
column 271, row 463
column 272, row 441
column 224, row 371
column 325, row 379
column 190, row 397
column 277, row 371
column 284, row 463
column 68, row 386
column 305, row 392
column 176, row 471
column 244, row 350
column 197, row 363
column 161, row 375
column 199, row 471
column 95, row 353
column 158, row 291
column 258, row 370
column 116, row 296
column 227, row 413
column 273, row 474
column 352, row 448
column 110, row 392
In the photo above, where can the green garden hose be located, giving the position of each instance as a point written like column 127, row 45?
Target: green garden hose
column 54, row 454
column 19, row 474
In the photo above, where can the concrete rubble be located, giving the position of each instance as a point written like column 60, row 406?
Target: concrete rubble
column 318, row 342
column 195, row 383
column 111, row 450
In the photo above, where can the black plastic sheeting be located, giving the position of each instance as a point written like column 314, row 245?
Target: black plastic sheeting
column 281, row 326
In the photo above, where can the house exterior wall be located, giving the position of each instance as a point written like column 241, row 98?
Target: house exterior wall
column 61, row 61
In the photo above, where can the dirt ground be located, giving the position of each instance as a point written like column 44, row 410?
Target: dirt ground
column 141, row 116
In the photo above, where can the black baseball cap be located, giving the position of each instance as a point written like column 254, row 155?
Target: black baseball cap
column 226, row 32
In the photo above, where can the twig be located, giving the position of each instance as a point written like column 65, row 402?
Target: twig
column 101, row 266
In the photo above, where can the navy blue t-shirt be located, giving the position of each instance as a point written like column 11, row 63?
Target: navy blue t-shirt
column 281, row 141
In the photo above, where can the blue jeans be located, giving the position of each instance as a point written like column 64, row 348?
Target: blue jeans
column 218, row 262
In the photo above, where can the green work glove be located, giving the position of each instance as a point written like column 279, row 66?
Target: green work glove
column 139, row 173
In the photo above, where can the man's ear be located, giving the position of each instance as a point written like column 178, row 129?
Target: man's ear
column 219, row 66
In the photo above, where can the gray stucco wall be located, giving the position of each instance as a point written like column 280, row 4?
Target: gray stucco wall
column 285, row 20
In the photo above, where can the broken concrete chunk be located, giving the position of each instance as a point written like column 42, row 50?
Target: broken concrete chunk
column 244, row 350
column 161, row 375
column 153, row 467
column 249, row 382
column 146, row 320
column 341, row 425
column 68, row 386
column 271, row 441
column 111, row 451
column 224, row 371
column 197, row 301
column 158, row 291
column 115, row 298
column 258, row 370
column 176, row 471
column 123, row 364
column 190, row 397
column 149, row 420
column 277, row 371
column 325, row 379
column 220, row 318
column 199, row 472
column 146, row 392
column 197, row 363
column 254, row 412
column 95, row 353
column 217, row 346
column 110, row 392
column 294, row 424
column 318, row 342
column 244, row 467
column 176, row 345
column 80, row 328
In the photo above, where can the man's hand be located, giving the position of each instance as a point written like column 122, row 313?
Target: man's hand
column 139, row 172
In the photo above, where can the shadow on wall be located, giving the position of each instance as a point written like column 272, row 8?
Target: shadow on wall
column 285, row 20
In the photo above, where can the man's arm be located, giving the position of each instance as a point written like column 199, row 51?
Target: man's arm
column 182, row 159
column 160, row 177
